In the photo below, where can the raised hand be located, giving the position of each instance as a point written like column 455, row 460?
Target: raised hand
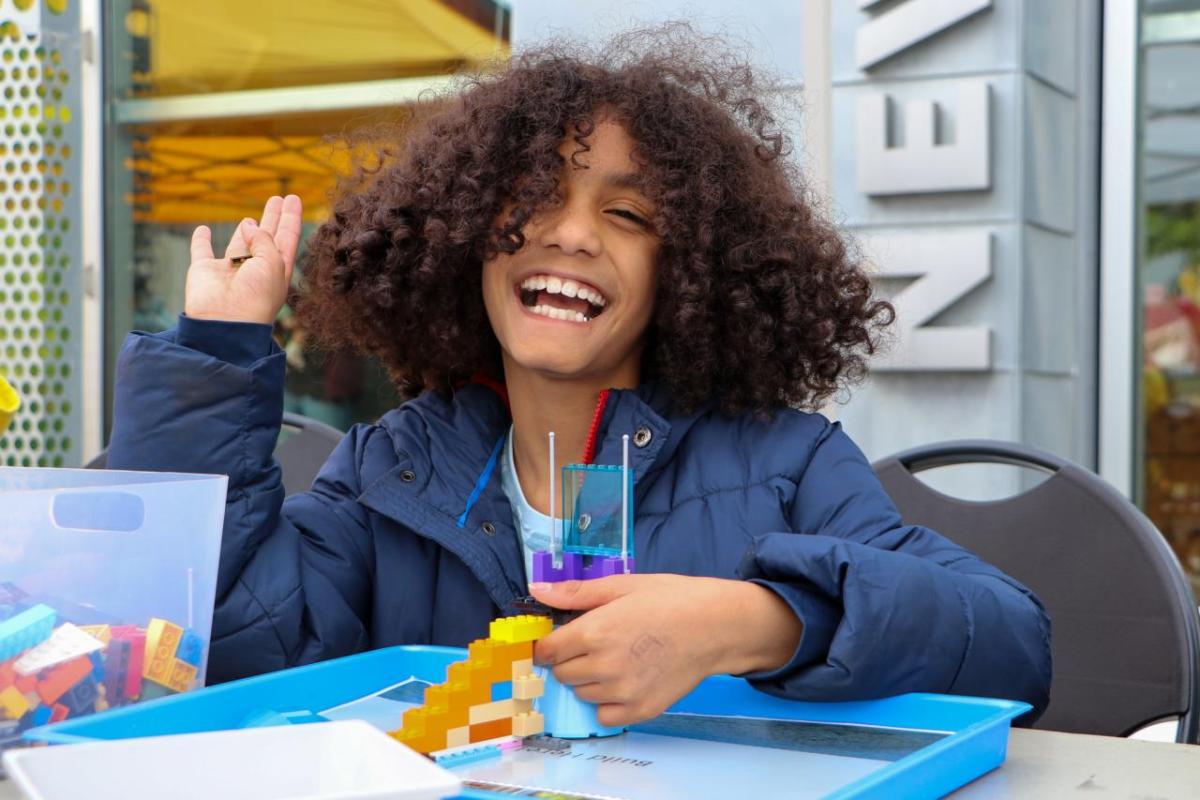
column 255, row 290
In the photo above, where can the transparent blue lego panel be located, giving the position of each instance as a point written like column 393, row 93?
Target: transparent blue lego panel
column 592, row 502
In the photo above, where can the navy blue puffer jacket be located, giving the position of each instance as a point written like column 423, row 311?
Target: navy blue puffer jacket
column 392, row 545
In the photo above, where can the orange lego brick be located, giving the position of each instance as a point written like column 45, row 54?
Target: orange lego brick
column 491, row 730
column 182, row 676
column 62, row 678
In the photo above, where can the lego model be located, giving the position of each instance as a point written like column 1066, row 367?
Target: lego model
column 466, row 719
column 486, row 699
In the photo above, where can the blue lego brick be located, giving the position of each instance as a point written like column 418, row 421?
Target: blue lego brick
column 81, row 698
column 191, row 647
column 41, row 715
column 97, row 658
column 502, row 691
column 460, row 757
column 25, row 630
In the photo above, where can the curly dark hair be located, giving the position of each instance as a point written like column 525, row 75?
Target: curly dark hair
column 761, row 303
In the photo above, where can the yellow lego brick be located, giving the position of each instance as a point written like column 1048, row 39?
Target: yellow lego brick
column 101, row 632
column 459, row 673
column 13, row 704
column 522, row 628
column 182, row 676
column 159, row 668
column 161, row 634
column 530, row 724
column 459, row 707
column 528, row 687
column 458, row 737
column 437, row 697
column 522, row 668
column 412, row 723
column 490, row 712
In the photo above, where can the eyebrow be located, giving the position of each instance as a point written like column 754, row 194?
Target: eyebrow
column 626, row 180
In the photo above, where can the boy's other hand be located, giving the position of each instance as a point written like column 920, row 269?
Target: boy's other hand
column 647, row 640
column 255, row 290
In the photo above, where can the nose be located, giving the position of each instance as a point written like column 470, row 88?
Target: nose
column 570, row 227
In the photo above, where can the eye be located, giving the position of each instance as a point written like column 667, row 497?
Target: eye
column 631, row 216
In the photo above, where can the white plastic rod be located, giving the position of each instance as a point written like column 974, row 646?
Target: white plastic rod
column 625, row 503
column 554, row 545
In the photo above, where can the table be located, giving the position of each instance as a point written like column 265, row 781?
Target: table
column 1044, row 764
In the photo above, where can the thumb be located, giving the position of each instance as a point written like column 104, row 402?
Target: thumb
column 582, row 595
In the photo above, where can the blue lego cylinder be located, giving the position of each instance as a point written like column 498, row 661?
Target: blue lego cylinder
column 565, row 715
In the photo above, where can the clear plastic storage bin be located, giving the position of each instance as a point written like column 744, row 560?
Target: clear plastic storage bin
column 107, row 582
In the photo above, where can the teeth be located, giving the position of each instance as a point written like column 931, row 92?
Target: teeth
column 560, row 313
column 567, row 288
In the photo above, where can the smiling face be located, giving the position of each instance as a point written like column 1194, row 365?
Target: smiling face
column 576, row 300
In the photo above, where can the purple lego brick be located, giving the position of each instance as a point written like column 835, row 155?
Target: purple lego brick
column 573, row 568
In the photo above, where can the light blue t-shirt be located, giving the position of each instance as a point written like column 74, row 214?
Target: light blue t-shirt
column 532, row 525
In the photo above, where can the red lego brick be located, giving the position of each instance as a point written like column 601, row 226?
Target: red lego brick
column 62, row 678
column 58, row 712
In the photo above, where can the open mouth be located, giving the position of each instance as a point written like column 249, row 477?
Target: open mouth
column 558, row 298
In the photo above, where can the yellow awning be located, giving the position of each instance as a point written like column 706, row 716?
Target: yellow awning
column 210, row 171
column 228, row 45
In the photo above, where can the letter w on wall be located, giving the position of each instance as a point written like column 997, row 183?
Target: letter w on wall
column 947, row 267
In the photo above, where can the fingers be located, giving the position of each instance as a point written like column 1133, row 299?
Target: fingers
column 287, row 236
column 239, row 242
column 201, row 244
column 262, row 247
column 582, row 594
column 270, row 215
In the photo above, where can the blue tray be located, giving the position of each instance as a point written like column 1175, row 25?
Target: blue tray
column 976, row 743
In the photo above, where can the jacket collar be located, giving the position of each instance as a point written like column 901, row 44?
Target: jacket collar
column 444, row 445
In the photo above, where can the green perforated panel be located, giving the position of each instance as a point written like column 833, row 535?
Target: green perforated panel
column 39, row 230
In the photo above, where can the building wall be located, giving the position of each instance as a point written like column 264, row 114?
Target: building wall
column 962, row 159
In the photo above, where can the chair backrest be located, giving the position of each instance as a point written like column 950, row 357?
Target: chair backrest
column 304, row 445
column 1125, row 630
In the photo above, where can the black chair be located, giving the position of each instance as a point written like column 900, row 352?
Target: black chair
column 304, row 445
column 1125, row 628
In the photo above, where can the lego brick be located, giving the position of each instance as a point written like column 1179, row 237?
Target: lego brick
column 7, row 674
column 491, row 730
column 458, row 737
column 97, row 659
column 529, row 687
column 116, row 665
column 65, row 643
column 469, row 756
column 522, row 668
column 501, row 690
column 182, row 676
column 63, row 677
column 490, row 712
column 530, row 724
column 133, row 673
column 59, row 712
column 521, row 628
column 25, row 630
column 191, row 648
column 81, row 699
column 101, row 632
column 26, row 683
column 162, row 640
column 41, row 715
column 13, row 704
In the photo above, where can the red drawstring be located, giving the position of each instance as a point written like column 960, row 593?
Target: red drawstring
column 589, row 450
